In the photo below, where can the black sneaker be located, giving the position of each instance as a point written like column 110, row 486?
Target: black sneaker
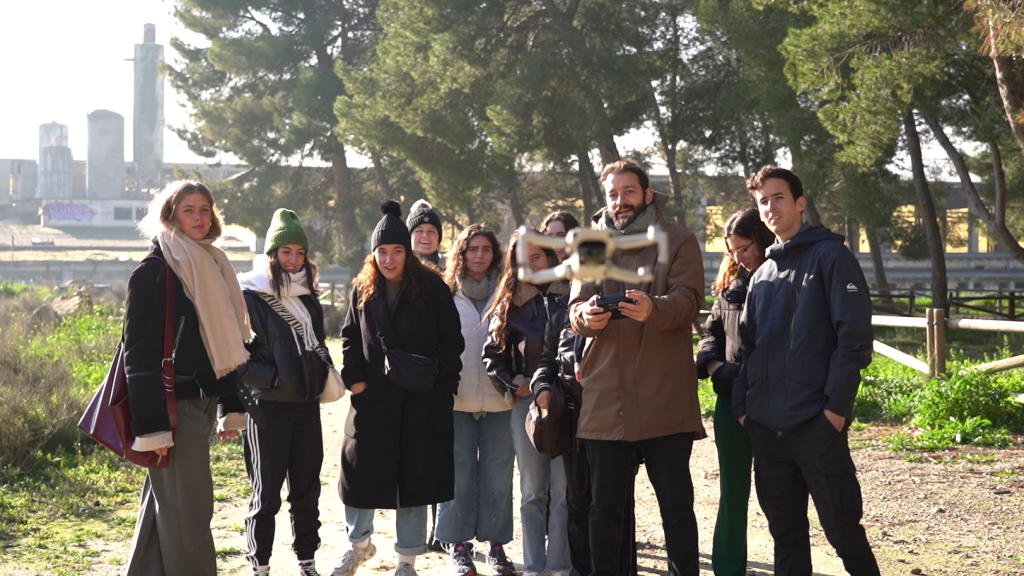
column 462, row 560
column 498, row 563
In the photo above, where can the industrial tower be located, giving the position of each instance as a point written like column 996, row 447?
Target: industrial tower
column 148, row 120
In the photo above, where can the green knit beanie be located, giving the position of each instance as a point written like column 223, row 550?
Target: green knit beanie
column 285, row 228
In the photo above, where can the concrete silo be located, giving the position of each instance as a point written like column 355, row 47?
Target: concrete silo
column 105, row 164
column 56, row 165
column 148, row 111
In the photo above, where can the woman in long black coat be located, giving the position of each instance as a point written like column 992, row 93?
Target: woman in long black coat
column 398, row 446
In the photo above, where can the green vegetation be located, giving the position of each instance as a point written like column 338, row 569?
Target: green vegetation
column 970, row 408
column 59, row 492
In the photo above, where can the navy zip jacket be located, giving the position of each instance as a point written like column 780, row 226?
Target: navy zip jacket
column 805, row 332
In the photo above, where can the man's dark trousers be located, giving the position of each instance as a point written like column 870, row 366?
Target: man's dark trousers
column 612, row 465
column 578, row 499
column 812, row 459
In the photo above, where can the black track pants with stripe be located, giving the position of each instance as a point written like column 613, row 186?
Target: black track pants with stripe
column 290, row 446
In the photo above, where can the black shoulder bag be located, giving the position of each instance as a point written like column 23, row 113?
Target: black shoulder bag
column 410, row 372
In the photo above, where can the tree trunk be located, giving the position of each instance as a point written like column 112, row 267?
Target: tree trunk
column 1000, row 183
column 811, row 212
column 583, row 173
column 675, row 181
column 383, row 185
column 1005, row 237
column 596, row 188
column 602, row 128
column 936, row 249
column 852, row 235
column 878, row 265
column 1012, row 102
column 344, row 205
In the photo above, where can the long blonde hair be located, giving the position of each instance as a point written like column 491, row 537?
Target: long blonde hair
column 160, row 211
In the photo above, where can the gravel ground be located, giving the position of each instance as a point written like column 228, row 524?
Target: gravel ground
column 950, row 513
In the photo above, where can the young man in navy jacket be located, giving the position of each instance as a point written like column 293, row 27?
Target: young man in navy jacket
column 805, row 336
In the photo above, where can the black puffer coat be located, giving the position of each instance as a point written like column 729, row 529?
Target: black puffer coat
column 398, row 446
column 277, row 371
column 144, row 315
column 720, row 339
column 557, row 365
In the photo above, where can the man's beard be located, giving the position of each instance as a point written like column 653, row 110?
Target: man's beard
column 623, row 223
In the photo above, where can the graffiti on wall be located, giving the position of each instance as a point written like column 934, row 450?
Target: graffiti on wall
column 69, row 211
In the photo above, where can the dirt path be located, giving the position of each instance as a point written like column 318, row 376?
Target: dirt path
column 229, row 515
column 952, row 513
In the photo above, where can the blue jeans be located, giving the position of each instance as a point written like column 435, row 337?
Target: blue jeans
column 411, row 528
column 540, row 476
column 482, row 507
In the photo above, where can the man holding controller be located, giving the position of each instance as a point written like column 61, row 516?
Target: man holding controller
column 638, row 377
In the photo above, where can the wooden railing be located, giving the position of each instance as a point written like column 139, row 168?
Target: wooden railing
column 997, row 304
column 936, row 326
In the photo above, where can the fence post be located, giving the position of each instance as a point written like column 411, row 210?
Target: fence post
column 929, row 340
column 956, row 301
column 910, row 303
column 333, row 285
column 939, row 315
column 1013, row 306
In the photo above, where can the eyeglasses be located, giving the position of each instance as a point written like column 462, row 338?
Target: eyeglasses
column 739, row 251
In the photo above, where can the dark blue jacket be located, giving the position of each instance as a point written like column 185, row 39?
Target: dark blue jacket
column 805, row 333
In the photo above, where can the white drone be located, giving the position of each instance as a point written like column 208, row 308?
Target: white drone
column 590, row 255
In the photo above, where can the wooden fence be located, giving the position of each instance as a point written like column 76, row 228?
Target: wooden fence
column 936, row 326
column 997, row 304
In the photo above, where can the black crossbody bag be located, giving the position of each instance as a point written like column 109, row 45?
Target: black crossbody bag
column 410, row 372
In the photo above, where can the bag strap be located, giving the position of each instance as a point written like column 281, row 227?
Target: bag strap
column 167, row 364
column 378, row 310
column 277, row 306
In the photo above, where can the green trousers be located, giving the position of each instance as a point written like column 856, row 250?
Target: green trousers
column 729, row 554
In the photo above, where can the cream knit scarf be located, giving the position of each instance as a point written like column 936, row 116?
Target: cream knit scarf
column 209, row 281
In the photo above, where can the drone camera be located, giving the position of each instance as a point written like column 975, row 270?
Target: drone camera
column 592, row 253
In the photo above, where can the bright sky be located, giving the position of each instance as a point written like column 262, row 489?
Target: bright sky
column 62, row 59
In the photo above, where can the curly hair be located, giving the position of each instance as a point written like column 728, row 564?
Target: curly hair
column 744, row 224
column 370, row 282
column 160, row 211
column 508, row 283
column 456, row 267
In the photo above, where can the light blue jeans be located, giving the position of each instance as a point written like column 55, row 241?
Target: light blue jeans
column 540, row 476
column 482, row 508
column 410, row 527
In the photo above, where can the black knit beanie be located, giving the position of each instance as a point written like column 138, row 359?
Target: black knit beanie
column 422, row 212
column 391, row 229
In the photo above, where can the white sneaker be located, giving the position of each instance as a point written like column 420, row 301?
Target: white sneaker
column 353, row 559
column 405, row 569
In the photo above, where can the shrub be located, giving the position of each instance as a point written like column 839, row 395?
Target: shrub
column 46, row 379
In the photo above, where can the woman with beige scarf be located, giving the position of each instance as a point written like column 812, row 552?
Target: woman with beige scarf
column 211, row 327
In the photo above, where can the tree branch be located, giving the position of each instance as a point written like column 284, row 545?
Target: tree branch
column 1005, row 237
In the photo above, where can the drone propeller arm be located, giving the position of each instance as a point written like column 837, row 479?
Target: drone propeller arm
column 560, row 272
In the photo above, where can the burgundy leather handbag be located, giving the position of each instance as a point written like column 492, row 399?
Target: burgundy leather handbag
column 108, row 419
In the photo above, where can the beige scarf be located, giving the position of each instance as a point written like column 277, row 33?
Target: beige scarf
column 209, row 281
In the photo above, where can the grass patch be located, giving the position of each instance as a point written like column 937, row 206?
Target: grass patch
column 53, row 513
